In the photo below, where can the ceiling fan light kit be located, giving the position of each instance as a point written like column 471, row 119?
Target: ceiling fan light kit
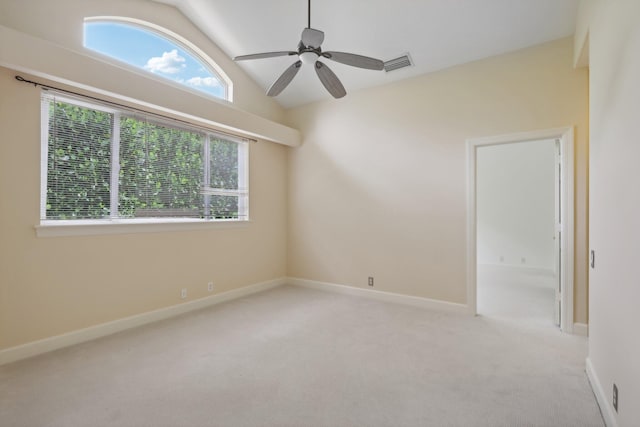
column 308, row 57
column 309, row 52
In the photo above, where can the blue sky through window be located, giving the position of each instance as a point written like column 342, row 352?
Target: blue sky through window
column 144, row 49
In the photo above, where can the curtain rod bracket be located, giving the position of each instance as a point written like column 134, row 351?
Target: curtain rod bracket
column 22, row 79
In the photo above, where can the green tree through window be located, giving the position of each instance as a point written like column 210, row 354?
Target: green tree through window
column 78, row 167
column 112, row 164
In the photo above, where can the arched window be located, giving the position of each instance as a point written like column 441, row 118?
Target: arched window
column 158, row 51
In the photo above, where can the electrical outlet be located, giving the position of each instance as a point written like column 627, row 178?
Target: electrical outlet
column 183, row 293
column 370, row 281
column 210, row 286
column 615, row 397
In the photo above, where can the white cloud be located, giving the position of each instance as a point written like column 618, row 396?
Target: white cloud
column 204, row 81
column 168, row 63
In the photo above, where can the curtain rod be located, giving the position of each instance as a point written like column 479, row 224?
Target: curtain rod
column 36, row 84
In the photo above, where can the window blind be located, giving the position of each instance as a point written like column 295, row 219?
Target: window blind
column 104, row 162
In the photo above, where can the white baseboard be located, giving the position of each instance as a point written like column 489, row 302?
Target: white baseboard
column 603, row 398
column 581, row 329
column 75, row 337
column 381, row 296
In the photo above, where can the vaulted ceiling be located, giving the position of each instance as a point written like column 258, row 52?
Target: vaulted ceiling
column 436, row 33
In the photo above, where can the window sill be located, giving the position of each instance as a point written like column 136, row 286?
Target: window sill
column 124, row 226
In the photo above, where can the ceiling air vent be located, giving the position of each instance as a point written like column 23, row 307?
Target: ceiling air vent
column 397, row 63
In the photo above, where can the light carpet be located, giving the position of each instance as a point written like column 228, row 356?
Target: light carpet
column 522, row 296
column 298, row 357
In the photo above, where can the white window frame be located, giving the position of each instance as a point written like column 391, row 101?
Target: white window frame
column 115, row 224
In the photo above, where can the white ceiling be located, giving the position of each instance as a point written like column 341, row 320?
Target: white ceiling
column 436, row 33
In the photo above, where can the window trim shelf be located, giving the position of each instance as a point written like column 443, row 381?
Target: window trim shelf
column 61, row 228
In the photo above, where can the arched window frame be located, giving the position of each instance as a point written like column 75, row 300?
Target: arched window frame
column 175, row 38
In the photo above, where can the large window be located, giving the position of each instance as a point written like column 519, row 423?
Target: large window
column 105, row 163
column 158, row 51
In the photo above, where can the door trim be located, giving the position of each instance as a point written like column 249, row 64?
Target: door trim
column 566, row 137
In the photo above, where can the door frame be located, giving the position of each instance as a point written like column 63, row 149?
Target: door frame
column 566, row 137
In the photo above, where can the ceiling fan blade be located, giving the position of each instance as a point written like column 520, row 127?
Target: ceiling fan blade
column 264, row 55
column 330, row 80
column 312, row 37
column 284, row 80
column 355, row 60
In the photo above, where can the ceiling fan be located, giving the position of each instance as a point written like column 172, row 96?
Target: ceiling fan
column 310, row 52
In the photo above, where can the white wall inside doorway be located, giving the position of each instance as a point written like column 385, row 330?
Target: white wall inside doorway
column 515, row 211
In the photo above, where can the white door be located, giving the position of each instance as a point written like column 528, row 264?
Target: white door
column 557, row 235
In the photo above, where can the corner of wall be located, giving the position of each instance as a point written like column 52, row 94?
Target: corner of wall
column 581, row 35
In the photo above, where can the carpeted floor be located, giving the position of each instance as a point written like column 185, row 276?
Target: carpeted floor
column 524, row 297
column 297, row 357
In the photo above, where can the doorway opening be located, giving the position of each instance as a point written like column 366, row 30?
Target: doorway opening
column 520, row 250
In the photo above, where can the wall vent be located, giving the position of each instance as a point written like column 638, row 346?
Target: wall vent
column 397, row 63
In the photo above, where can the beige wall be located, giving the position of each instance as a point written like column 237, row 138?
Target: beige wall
column 377, row 189
column 58, row 284
column 60, row 22
column 614, row 68
column 378, row 186
column 29, row 42
column 54, row 285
